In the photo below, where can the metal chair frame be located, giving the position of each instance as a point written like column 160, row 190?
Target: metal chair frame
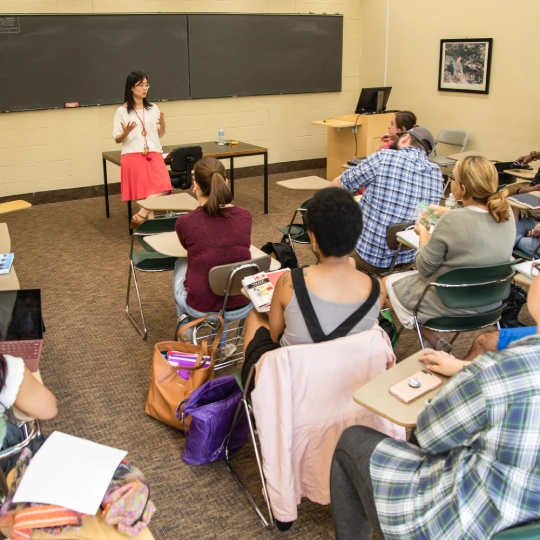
column 245, row 406
column 30, row 430
column 393, row 243
column 233, row 335
column 292, row 241
column 459, row 330
column 149, row 254
column 451, row 141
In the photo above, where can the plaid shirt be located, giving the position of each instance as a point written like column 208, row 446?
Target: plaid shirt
column 478, row 469
column 396, row 181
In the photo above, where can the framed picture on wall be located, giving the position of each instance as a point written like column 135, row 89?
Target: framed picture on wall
column 465, row 65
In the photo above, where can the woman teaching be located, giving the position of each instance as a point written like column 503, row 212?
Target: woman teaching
column 138, row 125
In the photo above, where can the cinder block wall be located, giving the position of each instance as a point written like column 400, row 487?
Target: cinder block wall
column 61, row 149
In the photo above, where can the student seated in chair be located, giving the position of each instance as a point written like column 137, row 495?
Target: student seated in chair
column 20, row 388
column 476, row 470
column 334, row 288
column 402, row 121
column 215, row 233
column 480, row 234
column 396, row 180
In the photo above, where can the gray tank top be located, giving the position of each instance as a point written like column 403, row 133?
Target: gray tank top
column 330, row 315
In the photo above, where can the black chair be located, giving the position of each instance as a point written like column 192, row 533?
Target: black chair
column 183, row 159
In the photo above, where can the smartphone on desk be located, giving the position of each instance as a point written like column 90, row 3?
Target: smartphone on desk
column 415, row 386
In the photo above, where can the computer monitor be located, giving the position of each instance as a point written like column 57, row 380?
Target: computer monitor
column 373, row 100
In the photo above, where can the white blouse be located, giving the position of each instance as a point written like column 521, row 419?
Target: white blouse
column 134, row 142
column 14, row 378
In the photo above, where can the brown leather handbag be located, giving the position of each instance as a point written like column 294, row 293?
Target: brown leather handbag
column 167, row 388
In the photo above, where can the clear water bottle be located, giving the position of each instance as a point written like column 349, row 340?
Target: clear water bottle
column 221, row 136
column 450, row 202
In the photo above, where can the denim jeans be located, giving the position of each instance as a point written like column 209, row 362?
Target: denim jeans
column 180, row 295
column 525, row 243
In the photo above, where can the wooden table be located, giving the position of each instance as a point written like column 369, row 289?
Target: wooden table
column 177, row 202
column 168, row 244
column 210, row 149
column 520, row 206
column 8, row 282
column 376, row 396
column 461, row 155
column 522, row 279
column 12, row 206
column 305, row 183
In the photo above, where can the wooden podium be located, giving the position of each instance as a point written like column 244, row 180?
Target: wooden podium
column 341, row 144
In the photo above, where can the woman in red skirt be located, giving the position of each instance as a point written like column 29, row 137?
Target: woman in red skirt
column 138, row 125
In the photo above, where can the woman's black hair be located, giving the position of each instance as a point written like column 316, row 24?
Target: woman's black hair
column 335, row 219
column 134, row 78
column 3, row 371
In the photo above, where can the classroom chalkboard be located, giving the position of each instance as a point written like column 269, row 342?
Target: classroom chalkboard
column 47, row 61
column 247, row 54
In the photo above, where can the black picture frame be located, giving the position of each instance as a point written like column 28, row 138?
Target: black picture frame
column 465, row 65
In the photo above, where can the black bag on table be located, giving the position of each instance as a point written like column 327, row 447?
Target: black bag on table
column 282, row 252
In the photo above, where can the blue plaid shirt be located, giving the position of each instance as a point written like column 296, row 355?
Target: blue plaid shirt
column 478, row 469
column 395, row 181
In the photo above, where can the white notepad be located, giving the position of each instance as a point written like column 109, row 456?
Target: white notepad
column 524, row 268
column 70, row 472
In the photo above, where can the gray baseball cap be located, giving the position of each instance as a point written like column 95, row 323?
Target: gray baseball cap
column 423, row 136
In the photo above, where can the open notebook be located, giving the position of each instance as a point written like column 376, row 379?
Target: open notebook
column 410, row 237
column 524, row 268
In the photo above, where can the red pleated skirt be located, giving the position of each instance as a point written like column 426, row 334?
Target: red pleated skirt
column 140, row 177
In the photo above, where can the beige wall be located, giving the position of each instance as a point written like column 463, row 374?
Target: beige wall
column 58, row 149
column 504, row 123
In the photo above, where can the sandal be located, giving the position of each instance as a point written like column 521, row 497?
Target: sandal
column 136, row 220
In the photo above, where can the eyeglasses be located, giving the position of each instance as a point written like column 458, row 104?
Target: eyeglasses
column 143, row 85
column 451, row 177
column 535, row 269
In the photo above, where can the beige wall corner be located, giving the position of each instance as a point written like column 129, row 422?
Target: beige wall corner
column 504, row 123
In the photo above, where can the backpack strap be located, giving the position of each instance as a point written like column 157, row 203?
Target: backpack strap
column 310, row 317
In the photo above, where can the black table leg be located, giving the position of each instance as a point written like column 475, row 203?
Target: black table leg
column 106, row 188
column 266, row 182
column 231, row 174
column 129, row 217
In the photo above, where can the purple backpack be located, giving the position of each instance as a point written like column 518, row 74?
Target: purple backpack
column 212, row 408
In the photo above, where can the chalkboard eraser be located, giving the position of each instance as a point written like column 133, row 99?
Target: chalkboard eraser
column 72, row 104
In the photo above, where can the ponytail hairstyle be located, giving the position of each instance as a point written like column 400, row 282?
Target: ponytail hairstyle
column 210, row 175
column 481, row 181
column 405, row 120
column 134, row 78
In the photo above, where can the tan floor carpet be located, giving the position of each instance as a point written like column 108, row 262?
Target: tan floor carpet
column 99, row 368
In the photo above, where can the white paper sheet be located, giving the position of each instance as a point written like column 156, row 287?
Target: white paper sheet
column 524, row 268
column 70, row 472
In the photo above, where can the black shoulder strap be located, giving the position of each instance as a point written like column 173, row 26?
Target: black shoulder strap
column 312, row 322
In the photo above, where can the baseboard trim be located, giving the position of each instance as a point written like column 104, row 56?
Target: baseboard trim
column 87, row 192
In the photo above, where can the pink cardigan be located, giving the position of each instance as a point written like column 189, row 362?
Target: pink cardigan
column 303, row 401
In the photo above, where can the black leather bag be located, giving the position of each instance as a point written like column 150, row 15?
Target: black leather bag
column 282, row 252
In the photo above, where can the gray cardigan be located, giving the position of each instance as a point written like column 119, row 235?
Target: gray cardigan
column 462, row 237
